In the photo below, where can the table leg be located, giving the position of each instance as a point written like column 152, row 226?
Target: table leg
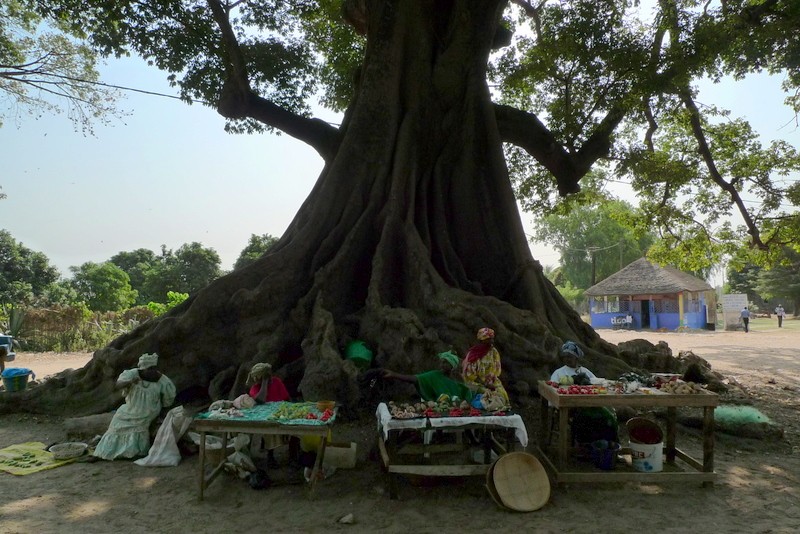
column 563, row 437
column 202, row 477
column 672, row 417
column 318, row 462
column 708, row 442
column 544, row 424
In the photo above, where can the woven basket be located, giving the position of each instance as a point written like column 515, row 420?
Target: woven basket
column 491, row 489
column 16, row 383
column 68, row 451
column 521, row 482
column 326, row 405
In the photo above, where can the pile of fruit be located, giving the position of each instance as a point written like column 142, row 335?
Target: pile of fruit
column 444, row 407
column 575, row 389
column 679, row 387
column 301, row 410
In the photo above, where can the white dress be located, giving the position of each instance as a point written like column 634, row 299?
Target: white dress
column 128, row 435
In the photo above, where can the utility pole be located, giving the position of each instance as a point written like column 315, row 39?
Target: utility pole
column 592, row 250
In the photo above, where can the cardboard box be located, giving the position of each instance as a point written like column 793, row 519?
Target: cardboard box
column 341, row 455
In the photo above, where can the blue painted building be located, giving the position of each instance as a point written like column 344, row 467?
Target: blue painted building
column 652, row 298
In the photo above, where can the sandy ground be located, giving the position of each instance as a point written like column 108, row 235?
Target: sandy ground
column 758, row 486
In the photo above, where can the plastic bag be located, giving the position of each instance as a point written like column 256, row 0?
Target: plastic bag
column 164, row 451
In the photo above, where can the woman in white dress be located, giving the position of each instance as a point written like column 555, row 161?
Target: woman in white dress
column 146, row 392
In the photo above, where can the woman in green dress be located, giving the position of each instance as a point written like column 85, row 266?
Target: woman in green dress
column 146, row 392
column 432, row 384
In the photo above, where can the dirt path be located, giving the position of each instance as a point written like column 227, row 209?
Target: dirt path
column 44, row 364
column 769, row 352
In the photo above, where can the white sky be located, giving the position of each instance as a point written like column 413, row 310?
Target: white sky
column 168, row 174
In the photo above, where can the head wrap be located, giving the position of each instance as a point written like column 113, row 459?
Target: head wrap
column 570, row 347
column 450, row 357
column 148, row 360
column 485, row 333
column 258, row 372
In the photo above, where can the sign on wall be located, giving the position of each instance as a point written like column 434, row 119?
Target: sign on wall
column 732, row 305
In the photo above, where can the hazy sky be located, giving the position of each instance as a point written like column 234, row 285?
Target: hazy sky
column 168, row 174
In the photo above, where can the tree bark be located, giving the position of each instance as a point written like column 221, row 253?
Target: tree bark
column 410, row 240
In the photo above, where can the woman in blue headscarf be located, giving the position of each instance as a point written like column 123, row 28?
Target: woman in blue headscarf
column 588, row 424
column 570, row 354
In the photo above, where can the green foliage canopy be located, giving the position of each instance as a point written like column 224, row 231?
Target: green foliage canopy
column 49, row 70
column 705, row 181
column 103, row 286
column 587, row 234
column 24, row 274
column 257, row 245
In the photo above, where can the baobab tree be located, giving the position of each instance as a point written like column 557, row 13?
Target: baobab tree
column 411, row 238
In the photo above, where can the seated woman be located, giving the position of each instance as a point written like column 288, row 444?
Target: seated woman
column 147, row 391
column 481, row 368
column 432, row 384
column 570, row 354
column 588, row 424
column 265, row 387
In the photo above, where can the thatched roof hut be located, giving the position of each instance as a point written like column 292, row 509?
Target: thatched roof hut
column 644, row 295
column 642, row 277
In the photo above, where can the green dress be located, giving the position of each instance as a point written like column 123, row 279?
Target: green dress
column 432, row 384
column 128, row 435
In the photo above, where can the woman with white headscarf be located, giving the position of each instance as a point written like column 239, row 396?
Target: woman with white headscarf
column 146, row 392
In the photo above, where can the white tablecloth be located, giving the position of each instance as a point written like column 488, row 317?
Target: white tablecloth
column 386, row 423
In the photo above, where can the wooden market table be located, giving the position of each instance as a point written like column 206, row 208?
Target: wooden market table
column 563, row 472
column 393, row 451
column 257, row 420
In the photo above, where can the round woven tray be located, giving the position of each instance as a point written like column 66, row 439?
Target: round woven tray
column 67, row 451
column 521, row 482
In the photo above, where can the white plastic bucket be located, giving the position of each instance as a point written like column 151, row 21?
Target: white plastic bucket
column 646, row 457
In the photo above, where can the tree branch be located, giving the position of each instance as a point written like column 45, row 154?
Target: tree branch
column 708, row 158
column 527, row 132
column 238, row 100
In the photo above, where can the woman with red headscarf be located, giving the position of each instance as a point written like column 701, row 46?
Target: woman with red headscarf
column 481, row 367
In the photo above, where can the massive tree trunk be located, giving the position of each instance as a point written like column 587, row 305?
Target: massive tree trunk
column 411, row 240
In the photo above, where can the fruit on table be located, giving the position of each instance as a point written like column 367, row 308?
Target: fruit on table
column 566, row 380
column 679, row 387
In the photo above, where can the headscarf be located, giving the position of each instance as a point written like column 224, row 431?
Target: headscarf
column 450, row 357
column 476, row 352
column 485, row 333
column 571, row 347
column 148, row 360
column 258, row 372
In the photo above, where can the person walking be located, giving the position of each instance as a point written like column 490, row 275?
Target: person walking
column 781, row 313
column 745, row 315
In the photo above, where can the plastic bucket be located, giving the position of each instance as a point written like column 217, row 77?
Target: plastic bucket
column 358, row 352
column 646, row 457
column 16, row 381
column 645, row 431
column 647, row 444
column 604, row 454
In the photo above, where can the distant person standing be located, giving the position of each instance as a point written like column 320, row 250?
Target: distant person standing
column 745, row 315
column 781, row 313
